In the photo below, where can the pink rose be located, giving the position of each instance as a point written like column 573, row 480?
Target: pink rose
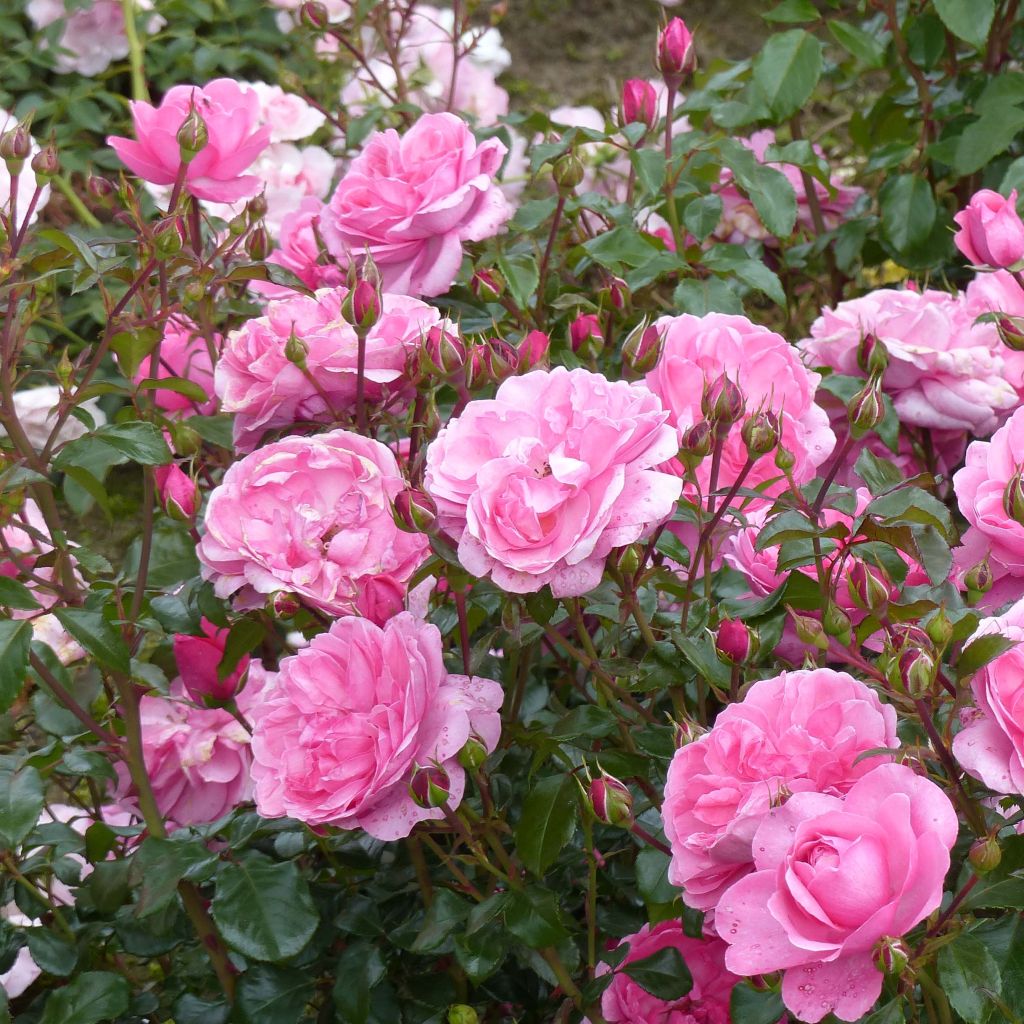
column 289, row 117
column 197, row 759
column 235, row 140
column 797, row 731
column 991, row 232
column 184, row 353
column 353, row 717
column 413, row 200
column 289, row 175
column 832, row 877
column 699, row 351
column 298, row 250
column 540, row 483
column 991, row 747
column 198, row 657
column 178, row 492
column 266, row 390
column 985, row 492
column 309, row 516
column 626, row 1002
column 998, row 292
column 944, row 372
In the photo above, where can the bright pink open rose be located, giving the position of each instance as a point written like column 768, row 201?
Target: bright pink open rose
column 412, row 200
column 991, row 232
column 800, row 731
column 353, row 717
column 834, row 876
column 309, row 516
column 235, row 139
column 541, row 482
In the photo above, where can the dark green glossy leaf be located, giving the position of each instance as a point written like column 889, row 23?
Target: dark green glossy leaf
column 21, row 802
column 664, row 974
column 15, row 644
column 966, row 968
column 88, row 999
column 786, row 71
column 548, row 821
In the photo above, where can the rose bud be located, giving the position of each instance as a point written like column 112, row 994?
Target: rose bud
column 618, row 293
column 939, row 628
column 296, row 350
column 836, row 623
column 46, row 163
column 501, row 359
column 256, row 208
column 991, row 232
column 696, row 444
column 866, row 409
column 784, row 458
column 533, row 351
column 892, row 956
column 1013, row 498
column 687, row 731
column 100, row 188
column 872, row 356
column 978, row 579
column 809, row 631
column 314, row 15
column 985, row 854
column 414, row 511
column 611, row 801
column 675, row 57
column 193, row 136
column 760, row 434
column 568, row 173
column 642, row 348
column 430, row 786
column 198, row 658
column 629, row 559
column 257, row 245
column 460, row 1013
column 1011, row 332
column 179, row 494
column 487, row 284
column 445, row 351
column 916, row 671
column 15, row 147
column 868, row 586
column 477, row 370
column 361, row 307
column 473, row 754
column 735, row 642
column 722, row 404
column 639, row 103
column 585, row 327
column 283, row 604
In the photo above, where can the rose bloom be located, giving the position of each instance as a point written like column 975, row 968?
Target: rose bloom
column 832, row 877
column 412, row 201
column 289, row 117
column 797, row 731
column 37, row 410
column 197, row 760
column 197, row 658
column 984, row 493
column 541, row 482
column 625, row 1001
column 235, row 139
column 991, row 747
column 944, row 372
column 998, row 292
column 355, row 714
column 183, row 353
column 298, row 250
column 991, row 231
column 258, row 382
column 310, row 516
column 27, row 181
column 698, row 351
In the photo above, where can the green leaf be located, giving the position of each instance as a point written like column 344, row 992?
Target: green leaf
column 620, row 246
column 890, row 1013
column 160, row 864
column 908, row 211
column 650, row 169
column 652, row 877
column 445, row 914
column 131, row 347
column 911, row 505
column 137, row 441
column 753, row 1007
column 710, row 295
column 97, row 636
column 16, row 595
column 90, row 998
column 987, row 138
column 867, row 48
column 980, row 652
column 966, row 967
column 481, row 953
column 21, row 802
column 533, row 917
column 522, row 276
column 548, row 821
column 15, row 644
column 243, row 637
column 263, row 909
column 274, row 995
column 702, row 215
column 360, row 968
column 52, row 954
column 179, row 385
column 879, row 474
column 969, row 20
column 786, row 71
column 792, row 12
column 664, row 974
column 214, row 429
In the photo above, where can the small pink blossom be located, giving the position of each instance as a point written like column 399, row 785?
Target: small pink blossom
column 299, row 250
column 184, row 352
column 991, row 232
column 198, row 658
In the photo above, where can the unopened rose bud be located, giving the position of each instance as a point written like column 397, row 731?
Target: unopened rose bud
column 256, row 208
column 760, row 434
column 868, row 586
column 487, row 284
column 892, row 956
column 639, row 103
column 940, row 628
column 314, row 15
column 65, row 370
column 473, row 754
column 585, row 335
column 430, row 786
column 630, row 559
column 192, row 136
column 642, row 348
column 916, row 672
column 296, row 350
column 696, row 444
column 872, row 356
column 238, row 225
column 735, row 642
column 611, row 801
column 1013, row 497
column 765, row 982
column 100, row 188
column 477, row 371
column 445, row 351
column 675, row 56
column 15, row 147
column 866, row 409
column 978, row 579
column 836, row 623
column 167, row 238
column 722, row 404
column 178, row 493
column 46, row 163
column 533, row 351
column 784, row 458
column 283, row 604
column 985, row 854
column 414, row 511
column 619, row 294
column 568, row 173
column 184, row 440
column 361, row 307
column 687, row 731
column 809, row 631
column 257, row 245
column 501, row 359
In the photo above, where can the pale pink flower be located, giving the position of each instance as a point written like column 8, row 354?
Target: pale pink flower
column 289, row 117
column 37, row 410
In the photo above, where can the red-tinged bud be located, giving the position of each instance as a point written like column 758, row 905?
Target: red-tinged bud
column 836, row 623
column 916, row 672
column 473, row 754
column 765, row 982
column 761, row 434
column 675, row 56
column 722, row 404
column 445, row 351
column 533, row 351
column 430, row 786
column 985, row 855
column 868, row 586
column 487, row 284
column 283, row 604
column 314, row 15
column 687, row 731
column 1013, row 497
column 735, row 642
column 642, row 348
column 809, row 631
column 193, row 136
column 256, row 208
column 101, row 189
column 1011, row 332
column 179, row 495
column 585, row 335
column 866, row 409
column 619, row 294
column 257, row 245
column 696, row 444
column 978, row 579
column 611, row 801
column 639, row 103
column 892, row 956
column 568, row 173
column 501, row 359
column 477, row 373
column 361, row 307
column 198, row 659
column 872, row 356
column 414, row 511
column 15, row 147
column 46, row 163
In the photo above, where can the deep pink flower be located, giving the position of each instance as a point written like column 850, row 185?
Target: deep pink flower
column 412, row 201
column 198, row 657
column 832, row 877
column 639, row 102
column 310, row 516
column 991, row 232
column 353, row 717
column 675, row 56
column 540, row 483
column 799, row 731
column 184, row 353
column 178, row 492
column 235, row 139
column 298, row 250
